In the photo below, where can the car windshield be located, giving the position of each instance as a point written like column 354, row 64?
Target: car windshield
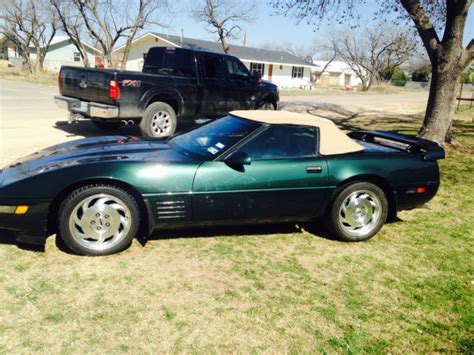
column 215, row 138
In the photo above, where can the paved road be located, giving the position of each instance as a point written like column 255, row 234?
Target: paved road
column 29, row 119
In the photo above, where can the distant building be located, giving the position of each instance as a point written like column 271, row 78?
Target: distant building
column 337, row 73
column 281, row 68
column 61, row 51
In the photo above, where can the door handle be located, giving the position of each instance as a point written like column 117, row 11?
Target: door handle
column 314, row 169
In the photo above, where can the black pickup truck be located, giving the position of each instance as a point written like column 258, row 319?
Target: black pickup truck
column 174, row 83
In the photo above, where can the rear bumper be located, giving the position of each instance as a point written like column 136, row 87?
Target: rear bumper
column 88, row 109
column 408, row 198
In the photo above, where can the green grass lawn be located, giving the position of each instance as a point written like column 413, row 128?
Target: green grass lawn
column 264, row 289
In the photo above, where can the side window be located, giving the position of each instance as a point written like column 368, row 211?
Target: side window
column 213, row 67
column 283, row 142
column 237, row 70
column 179, row 63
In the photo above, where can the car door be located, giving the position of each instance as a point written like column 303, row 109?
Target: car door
column 216, row 91
column 285, row 180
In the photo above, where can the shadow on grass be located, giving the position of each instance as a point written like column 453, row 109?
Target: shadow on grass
column 9, row 238
column 317, row 229
column 85, row 128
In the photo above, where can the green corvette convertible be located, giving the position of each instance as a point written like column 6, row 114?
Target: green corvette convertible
column 98, row 194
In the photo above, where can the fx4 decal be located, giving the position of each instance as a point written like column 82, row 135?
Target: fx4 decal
column 132, row 83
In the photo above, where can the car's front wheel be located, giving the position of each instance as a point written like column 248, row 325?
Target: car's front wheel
column 98, row 220
column 358, row 212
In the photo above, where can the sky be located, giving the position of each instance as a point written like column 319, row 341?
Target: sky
column 273, row 28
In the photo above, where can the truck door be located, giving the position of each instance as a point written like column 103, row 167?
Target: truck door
column 245, row 88
column 215, row 88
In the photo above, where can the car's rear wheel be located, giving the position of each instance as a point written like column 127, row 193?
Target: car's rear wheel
column 98, row 220
column 107, row 126
column 159, row 120
column 358, row 212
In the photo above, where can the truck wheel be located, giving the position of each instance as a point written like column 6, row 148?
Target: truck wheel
column 358, row 212
column 159, row 120
column 106, row 126
column 268, row 106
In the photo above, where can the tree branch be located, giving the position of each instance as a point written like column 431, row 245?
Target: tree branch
column 424, row 26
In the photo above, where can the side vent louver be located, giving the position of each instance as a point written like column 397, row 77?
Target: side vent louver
column 171, row 209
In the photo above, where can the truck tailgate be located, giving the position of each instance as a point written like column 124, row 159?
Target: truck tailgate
column 86, row 84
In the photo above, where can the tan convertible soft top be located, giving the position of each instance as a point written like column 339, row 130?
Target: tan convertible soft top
column 332, row 140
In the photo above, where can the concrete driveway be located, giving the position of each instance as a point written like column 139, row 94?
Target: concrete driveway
column 29, row 119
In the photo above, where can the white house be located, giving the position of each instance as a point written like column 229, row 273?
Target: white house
column 281, row 68
column 337, row 73
column 62, row 51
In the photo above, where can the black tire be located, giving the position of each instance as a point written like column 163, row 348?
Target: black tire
column 158, row 121
column 267, row 106
column 93, row 222
column 107, row 126
column 355, row 204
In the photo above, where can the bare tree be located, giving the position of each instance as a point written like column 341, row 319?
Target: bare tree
column 145, row 14
column 28, row 23
column 223, row 17
column 71, row 24
column 430, row 19
column 368, row 52
column 106, row 21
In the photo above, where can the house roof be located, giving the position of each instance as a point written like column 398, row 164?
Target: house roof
column 336, row 66
column 331, row 139
column 59, row 39
column 243, row 53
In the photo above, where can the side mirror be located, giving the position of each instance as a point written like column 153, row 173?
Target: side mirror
column 238, row 159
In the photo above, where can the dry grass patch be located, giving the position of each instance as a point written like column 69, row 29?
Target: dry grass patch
column 40, row 77
column 262, row 289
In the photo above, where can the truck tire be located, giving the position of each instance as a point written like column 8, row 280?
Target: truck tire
column 106, row 126
column 158, row 121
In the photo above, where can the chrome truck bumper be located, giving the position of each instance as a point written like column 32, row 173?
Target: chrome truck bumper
column 89, row 109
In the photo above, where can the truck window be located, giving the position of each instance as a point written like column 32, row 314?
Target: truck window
column 170, row 62
column 179, row 63
column 237, row 70
column 213, row 67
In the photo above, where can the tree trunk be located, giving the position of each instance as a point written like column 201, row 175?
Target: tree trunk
column 126, row 50
column 441, row 102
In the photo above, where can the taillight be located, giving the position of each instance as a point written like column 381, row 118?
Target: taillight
column 59, row 80
column 114, row 92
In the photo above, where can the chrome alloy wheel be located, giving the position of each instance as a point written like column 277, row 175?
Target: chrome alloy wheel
column 161, row 124
column 100, row 222
column 360, row 213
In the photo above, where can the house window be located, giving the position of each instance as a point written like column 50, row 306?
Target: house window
column 257, row 68
column 77, row 56
column 281, row 67
column 297, row 72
